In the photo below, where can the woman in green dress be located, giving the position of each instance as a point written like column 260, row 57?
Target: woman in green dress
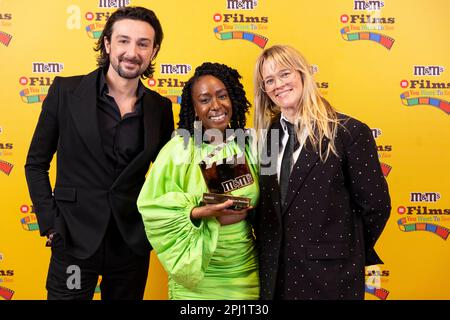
column 207, row 250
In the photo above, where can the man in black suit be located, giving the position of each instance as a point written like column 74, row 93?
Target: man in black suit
column 106, row 128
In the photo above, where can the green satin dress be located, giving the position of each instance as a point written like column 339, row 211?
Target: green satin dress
column 203, row 260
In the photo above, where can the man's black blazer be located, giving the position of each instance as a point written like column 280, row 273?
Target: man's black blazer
column 86, row 192
column 317, row 245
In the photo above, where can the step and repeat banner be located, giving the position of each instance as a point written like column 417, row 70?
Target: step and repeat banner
column 386, row 63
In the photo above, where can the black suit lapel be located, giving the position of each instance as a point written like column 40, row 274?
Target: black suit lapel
column 83, row 107
column 152, row 122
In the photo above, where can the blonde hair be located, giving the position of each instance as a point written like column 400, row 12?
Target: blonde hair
column 314, row 113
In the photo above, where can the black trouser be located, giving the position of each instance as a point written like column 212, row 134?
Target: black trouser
column 124, row 274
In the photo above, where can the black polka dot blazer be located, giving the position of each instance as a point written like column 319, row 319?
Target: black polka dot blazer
column 317, row 246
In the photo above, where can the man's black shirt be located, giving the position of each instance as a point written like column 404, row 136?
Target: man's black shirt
column 122, row 137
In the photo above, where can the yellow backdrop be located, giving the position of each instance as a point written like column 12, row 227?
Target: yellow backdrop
column 383, row 62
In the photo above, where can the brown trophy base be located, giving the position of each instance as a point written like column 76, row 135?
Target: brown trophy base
column 239, row 203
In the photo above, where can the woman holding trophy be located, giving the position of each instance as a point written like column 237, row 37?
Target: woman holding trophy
column 201, row 190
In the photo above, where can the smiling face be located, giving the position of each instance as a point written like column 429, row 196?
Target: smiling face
column 285, row 86
column 131, row 47
column 212, row 103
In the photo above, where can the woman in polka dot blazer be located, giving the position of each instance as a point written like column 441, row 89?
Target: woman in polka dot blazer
column 324, row 200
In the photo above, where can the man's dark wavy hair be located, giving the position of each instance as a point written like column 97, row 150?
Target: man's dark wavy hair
column 134, row 13
column 230, row 78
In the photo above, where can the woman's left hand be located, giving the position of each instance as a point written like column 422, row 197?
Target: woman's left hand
column 235, row 217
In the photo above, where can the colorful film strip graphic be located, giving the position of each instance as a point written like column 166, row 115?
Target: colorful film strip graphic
column 440, row 231
column 439, row 103
column 380, row 293
column 5, row 38
column 174, row 99
column 6, row 167
column 29, row 223
column 97, row 287
column 257, row 39
column 382, row 39
column 385, row 168
column 33, row 95
column 94, row 30
column 6, row 293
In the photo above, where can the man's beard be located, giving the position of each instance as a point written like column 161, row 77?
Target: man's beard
column 128, row 74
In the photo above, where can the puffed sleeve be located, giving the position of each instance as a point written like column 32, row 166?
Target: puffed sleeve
column 183, row 248
column 368, row 187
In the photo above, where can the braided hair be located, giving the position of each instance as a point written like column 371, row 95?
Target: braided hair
column 230, row 78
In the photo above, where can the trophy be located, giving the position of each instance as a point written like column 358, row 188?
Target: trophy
column 222, row 178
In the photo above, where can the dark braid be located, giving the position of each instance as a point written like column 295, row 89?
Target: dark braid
column 230, row 78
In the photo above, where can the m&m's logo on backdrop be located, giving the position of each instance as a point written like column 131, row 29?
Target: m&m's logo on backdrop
column 171, row 80
column 237, row 23
column 35, row 87
column 426, row 91
column 367, row 23
column 422, row 215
